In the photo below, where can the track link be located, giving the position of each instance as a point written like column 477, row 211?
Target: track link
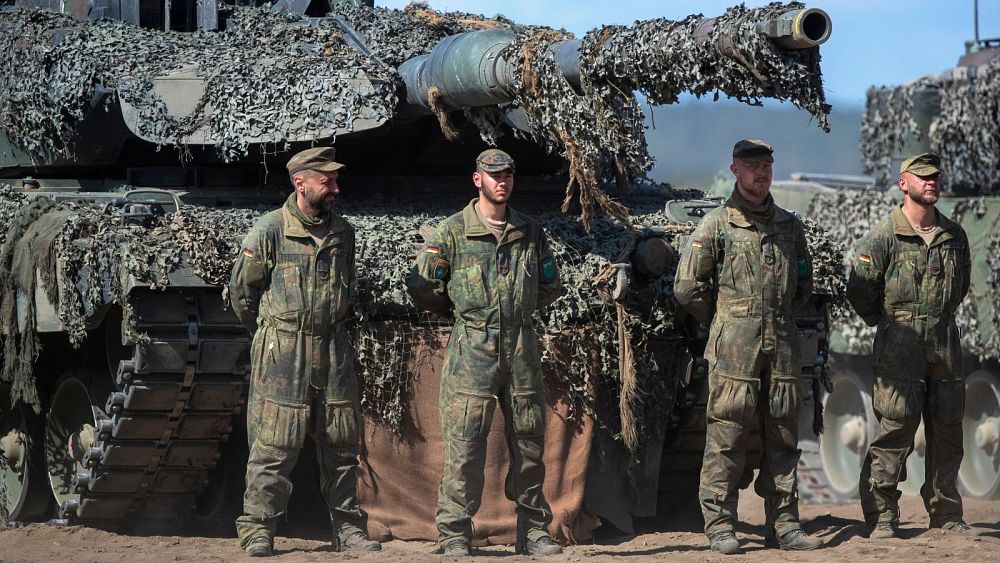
column 174, row 403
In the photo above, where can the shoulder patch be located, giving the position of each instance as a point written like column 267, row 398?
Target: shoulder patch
column 865, row 258
column 433, row 249
column 548, row 269
column 248, row 253
column 697, row 244
column 441, row 269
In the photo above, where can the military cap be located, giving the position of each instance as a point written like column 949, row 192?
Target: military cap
column 316, row 158
column 494, row 160
column 924, row 164
column 753, row 150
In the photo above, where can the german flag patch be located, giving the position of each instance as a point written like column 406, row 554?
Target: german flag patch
column 432, row 249
column 248, row 253
column 865, row 258
column 697, row 244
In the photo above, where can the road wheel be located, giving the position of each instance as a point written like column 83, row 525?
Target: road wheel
column 24, row 496
column 830, row 466
column 979, row 475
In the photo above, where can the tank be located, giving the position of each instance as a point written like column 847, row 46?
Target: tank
column 139, row 141
column 953, row 113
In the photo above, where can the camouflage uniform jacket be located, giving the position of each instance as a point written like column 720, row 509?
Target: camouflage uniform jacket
column 492, row 288
column 295, row 296
column 911, row 290
column 746, row 280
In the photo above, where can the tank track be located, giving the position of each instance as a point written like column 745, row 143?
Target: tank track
column 174, row 403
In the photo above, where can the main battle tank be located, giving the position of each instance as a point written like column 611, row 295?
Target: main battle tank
column 953, row 113
column 141, row 139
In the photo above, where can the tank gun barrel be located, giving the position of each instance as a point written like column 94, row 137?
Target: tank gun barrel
column 468, row 69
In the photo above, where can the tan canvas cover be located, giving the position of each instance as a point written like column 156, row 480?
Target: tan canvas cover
column 399, row 476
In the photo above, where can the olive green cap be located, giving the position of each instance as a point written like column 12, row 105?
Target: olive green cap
column 924, row 164
column 494, row 160
column 316, row 158
column 753, row 150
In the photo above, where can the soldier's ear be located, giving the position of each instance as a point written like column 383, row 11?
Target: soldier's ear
column 477, row 179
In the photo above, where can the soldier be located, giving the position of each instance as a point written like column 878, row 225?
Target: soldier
column 908, row 277
column 491, row 267
column 291, row 285
column 746, row 271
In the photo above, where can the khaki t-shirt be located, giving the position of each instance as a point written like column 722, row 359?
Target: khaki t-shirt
column 496, row 227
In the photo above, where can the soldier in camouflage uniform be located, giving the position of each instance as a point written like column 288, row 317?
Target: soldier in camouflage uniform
column 908, row 277
column 746, row 271
column 491, row 267
column 291, row 286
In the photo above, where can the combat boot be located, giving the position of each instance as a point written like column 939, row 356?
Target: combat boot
column 724, row 542
column 542, row 546
column 259, row 547
column 793, row 540
column 455, row 547
column 958, row 527
column 883, row 531
column 357, row 541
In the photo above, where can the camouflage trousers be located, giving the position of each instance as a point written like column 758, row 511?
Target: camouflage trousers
column 472, row 385
column 737, row 405
column 277, row 430
column 899, row 402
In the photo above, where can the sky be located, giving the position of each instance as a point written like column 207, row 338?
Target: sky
column 883, row 42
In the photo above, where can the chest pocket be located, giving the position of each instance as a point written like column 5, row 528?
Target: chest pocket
column 289, row 280
column 467, row 289
column 785, row 266
column 953, row 273
column 332, row 272
column 742, row 265
column 525, row 269
column 902, row 278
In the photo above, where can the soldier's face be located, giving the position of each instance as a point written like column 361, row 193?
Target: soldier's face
column 920, row 189
column 318, row 189
column 753, row 177
column 494, row 187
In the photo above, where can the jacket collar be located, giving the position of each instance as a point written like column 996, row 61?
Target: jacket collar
column 293, row 228
column 901, row 225
column 474, row 227
column 739, row 219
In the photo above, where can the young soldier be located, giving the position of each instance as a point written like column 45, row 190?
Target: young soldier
column 291, row 286
column 491, row 267
column 908, row 277
column 746, row 271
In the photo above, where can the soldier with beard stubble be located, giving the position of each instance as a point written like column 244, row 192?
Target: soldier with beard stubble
column 292, row 285
column 908, row 277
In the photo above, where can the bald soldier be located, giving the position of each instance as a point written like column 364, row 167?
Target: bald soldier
column 908, row 277
column 291, row 285
column 491, row 267
column 745, row 271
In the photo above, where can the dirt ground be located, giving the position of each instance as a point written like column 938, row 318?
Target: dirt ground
column 838, row 525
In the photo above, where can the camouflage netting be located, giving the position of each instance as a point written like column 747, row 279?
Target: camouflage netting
column 966, row 133
column 50, row 83
column 600, row 130
column 267, row 69
column 850, row 215
column 606, row 356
